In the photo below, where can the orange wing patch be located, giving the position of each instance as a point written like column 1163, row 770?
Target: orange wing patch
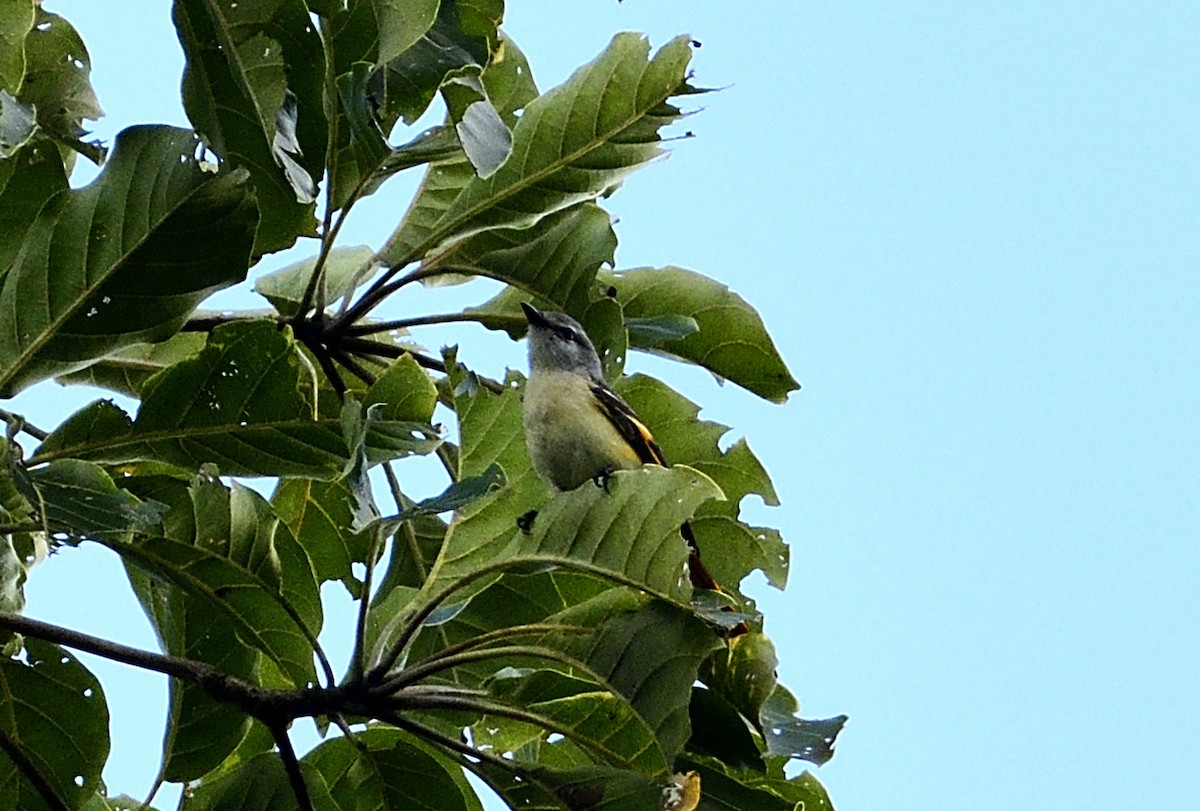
column 630, row 427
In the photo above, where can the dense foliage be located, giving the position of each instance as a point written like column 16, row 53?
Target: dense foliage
column 569, row 664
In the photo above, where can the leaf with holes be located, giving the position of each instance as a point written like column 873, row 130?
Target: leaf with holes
column 730, row 548
column 127, row 370
column 90, row 277
column 55, row 715
column 234, row 413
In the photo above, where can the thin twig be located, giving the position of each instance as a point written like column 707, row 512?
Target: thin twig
column 357, row 369
column 31, row 772
column 405, row 323
column 32, row 430
column 435, row 665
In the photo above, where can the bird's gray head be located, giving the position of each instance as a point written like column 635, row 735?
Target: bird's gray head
column 557, row 342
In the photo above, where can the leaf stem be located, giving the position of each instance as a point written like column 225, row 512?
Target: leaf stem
column 396, row 683
column 405, row 323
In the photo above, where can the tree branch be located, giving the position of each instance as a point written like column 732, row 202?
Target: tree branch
column 23, row 425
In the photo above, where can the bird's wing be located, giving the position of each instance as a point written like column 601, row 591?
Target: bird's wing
column 627, row 423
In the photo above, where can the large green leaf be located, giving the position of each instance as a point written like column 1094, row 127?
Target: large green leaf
column 53, row 711
column 600, row 722
column 571, row 145
column 238, row 524
column 555, row 260
column 731, row 340
column 730, row 548
column 27, row 180
column 260, row 615
column 285, row 287
column 90, row 276
column 227, row 406
column 579, row 788
column 390, row 769
column 254, row 88
column 201, row 731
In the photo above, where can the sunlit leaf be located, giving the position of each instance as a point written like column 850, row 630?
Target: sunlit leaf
column 730, row 340
column 232, row 415
column 571, row 145
column 730, row 548
column 260, row 783
column 285, row 287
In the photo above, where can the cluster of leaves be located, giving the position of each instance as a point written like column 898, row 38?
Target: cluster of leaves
column 567, row 664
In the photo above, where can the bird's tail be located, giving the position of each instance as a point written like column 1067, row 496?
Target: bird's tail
column 700, row 577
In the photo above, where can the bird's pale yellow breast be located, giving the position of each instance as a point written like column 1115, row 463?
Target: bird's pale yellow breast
column 570, row 439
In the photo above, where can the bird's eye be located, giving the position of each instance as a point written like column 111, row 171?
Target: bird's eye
column 566, row 334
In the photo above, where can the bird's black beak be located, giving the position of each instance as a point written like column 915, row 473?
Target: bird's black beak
column 533, row 315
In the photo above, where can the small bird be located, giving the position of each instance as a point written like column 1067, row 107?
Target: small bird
column 576, row 427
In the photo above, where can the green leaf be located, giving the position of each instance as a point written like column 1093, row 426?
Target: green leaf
column 27, row 180
column 730, row 549
column 651, row 656
column 80, row 499
column 258, row 613
column 260, row 783
column 254, row 88
column 631, row 529
column 571, row 145
column 90, row 276
column 744, row 674
column 603, row 723
column 396, row 771
column 16, row 21
column 201, row 731
column 555, row 260
column 402, row 24
column 491, row 433
column 319, row 515
column 791, row 736
column 462, row 37
column 404, row 391
column 233, row 414
column 54, row 711
column 57, row 84
column 127, row 370
column 730, row 341
column 285, row 287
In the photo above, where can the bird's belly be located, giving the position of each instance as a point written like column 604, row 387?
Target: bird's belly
column 570, row 440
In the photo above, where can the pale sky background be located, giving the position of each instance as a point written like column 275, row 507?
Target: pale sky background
column 972, row 230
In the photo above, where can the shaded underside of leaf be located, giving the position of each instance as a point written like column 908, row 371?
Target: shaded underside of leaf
column 123, row 260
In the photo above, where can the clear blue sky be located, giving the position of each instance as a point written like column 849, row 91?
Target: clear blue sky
column 972, row 229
